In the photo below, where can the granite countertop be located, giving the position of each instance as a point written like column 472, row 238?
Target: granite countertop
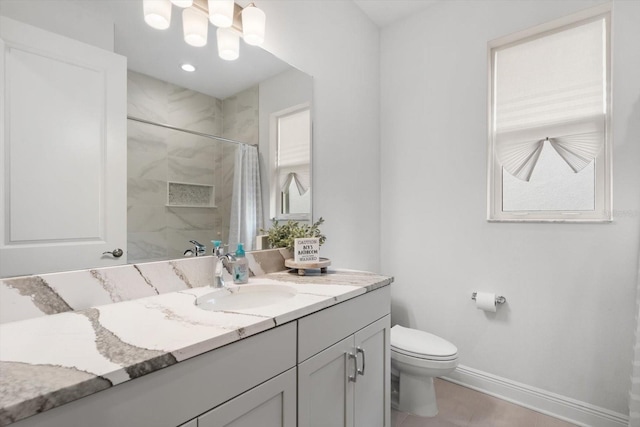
column 48, row 361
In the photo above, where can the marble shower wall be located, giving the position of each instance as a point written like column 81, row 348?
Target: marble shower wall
column 240, row 113
column 157, row 155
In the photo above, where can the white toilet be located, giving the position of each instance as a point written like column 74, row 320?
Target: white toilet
column 417, row 357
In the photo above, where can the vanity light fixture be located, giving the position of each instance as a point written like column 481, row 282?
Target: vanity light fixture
column 195, row 26
column 228, row 44
column 182, row 3
column 253, row 24
column 232, row 20
column 221, row 12
column 157, row 13
column 188, row 68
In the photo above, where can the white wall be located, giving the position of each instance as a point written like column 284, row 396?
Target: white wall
column 569, row 322
column 62, row 17
column 338, row 46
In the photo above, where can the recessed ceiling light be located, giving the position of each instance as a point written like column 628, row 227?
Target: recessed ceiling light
column 188, row 67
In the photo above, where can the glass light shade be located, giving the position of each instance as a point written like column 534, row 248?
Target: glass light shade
column 228, row 44
column 221, row 13
column 195, row 26
column 182, row 3
column 253, row 25
column 157, row 13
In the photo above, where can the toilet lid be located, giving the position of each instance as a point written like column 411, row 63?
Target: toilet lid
column 421, row 344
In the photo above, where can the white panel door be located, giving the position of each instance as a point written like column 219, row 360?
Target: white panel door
column 271, row 404
column 63, row 152
column 325, row 392
column 373, row 388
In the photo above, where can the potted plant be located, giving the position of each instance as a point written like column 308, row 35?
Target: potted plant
column 283, row 235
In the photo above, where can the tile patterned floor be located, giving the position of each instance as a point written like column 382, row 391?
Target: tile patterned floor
column 462, row 407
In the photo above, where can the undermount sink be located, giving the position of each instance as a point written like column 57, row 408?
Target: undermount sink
column 245, row 296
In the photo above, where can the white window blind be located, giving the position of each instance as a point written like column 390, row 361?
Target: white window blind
column 551, row 88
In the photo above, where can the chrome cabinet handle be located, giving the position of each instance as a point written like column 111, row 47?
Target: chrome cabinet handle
column 364, row 360
column 117, row 253
column 354, row 377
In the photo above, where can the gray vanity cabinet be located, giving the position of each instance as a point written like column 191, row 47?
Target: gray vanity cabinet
column 373, row 387
column 346, row 384
column 272, row 404
column 326, row 393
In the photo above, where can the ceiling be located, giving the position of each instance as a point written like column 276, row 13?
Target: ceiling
column 386, row 12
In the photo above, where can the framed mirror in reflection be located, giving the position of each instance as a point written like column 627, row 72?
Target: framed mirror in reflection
column 183, row 138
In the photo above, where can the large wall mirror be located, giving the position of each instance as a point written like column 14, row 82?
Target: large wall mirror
column 187, row 135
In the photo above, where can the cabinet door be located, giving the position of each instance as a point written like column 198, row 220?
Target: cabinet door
column 63, row 152
column 325, row 392
column 372, row 391
column 271, row 404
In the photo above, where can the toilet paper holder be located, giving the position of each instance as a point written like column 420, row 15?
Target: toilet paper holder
column 499, row 299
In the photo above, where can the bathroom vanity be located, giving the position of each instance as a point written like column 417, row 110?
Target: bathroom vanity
column 318, row 358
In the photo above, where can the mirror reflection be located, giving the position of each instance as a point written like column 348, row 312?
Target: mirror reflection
column 293, row 163
column 185, row 135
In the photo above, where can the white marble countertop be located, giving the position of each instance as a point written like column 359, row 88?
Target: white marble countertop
column 48, row 361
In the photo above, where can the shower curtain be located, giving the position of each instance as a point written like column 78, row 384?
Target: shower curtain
column 634, row 394
column 246, row 203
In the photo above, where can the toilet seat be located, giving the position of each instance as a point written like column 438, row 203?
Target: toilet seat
column 428, row 367
column 421, row 345
column 425, row 356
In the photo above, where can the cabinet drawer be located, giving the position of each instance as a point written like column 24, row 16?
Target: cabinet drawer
column 325, row 328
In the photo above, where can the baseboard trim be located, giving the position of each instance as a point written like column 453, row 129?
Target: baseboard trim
column 564, row 408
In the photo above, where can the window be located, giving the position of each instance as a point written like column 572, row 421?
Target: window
column 549, row 115
column 293, row 164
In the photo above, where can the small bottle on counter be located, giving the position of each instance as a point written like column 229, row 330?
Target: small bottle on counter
column 240, row 266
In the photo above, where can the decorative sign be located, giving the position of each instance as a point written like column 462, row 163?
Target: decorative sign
column 307, row 249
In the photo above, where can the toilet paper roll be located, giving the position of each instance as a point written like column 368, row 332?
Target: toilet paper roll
column 486, row 301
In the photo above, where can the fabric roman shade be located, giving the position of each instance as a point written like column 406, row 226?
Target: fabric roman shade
column 551, row 88
column 292, row 176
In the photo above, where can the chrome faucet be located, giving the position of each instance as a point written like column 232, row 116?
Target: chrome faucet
column 198, row 249
column 224, row 261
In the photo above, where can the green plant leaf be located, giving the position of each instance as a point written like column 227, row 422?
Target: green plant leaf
column 284, row 235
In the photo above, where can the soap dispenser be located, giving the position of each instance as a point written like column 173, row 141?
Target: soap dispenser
column 240, row 266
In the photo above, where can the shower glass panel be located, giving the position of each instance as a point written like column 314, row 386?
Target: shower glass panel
column 179, row 188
